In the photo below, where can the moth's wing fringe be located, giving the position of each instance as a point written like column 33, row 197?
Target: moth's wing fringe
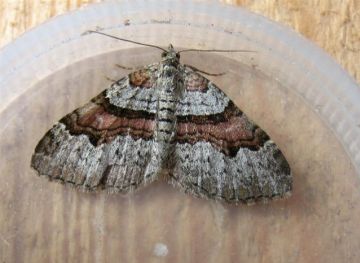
column 85, row 189
column 249, row 202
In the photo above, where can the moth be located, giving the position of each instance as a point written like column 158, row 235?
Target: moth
column 165, row 121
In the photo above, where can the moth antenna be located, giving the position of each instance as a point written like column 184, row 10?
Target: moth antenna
column 217, row 50
column 123, row 39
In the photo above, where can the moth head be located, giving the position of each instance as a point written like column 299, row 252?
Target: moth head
column 170, row 55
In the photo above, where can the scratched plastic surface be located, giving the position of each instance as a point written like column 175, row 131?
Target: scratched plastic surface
column 291, row 88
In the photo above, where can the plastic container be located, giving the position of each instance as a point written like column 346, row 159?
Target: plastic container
column 305, row 101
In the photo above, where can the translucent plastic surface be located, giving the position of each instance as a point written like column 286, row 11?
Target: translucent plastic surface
column 288, row 86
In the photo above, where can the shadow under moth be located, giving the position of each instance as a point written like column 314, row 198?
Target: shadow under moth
column 164, row 121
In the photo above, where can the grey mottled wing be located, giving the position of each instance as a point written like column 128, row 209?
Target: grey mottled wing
column 105, row 144
column 137, row 93
column 221, row 154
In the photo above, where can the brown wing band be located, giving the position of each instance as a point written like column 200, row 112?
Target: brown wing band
column 102, row 122
column 142, row 78
column 195, row 82
column 227, row 131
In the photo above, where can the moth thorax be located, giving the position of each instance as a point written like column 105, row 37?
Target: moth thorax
column 169, row 70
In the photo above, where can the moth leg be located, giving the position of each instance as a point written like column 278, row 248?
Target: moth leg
column 110, row 79
column 204, row 72
column 122, row 67
column 128, row 68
